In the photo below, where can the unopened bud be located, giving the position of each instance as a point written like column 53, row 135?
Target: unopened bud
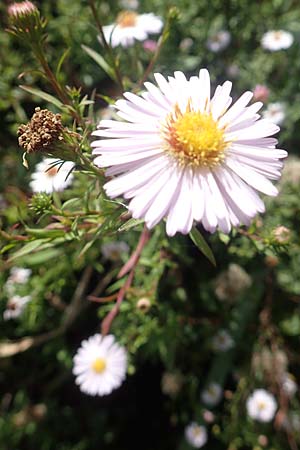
column 143, row 304
column 271, row 261
column 282, row 234
column 261, row 93
column 25, row 21
column 41, row 203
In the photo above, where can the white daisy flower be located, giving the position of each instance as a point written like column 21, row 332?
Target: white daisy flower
column 113, row 250
column 222, row 341
column 219, row 41
column 261, row 405
column 195, row 435
column 15, row 307
column 19, row 275
column 289, row 384
column 275, row 40
column 186, row 157
column 49, row 177
column 130, row 26
column 212, row 395
column 275, row 112
column 100, row 365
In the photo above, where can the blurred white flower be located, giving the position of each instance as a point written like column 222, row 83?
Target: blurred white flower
column 100, row 365
column 230, row 283
column 184, row 156
column 196, row 435
column 129, row 4
column 291, row 171
column 261, row 405
column 49, row 177
column 130, row 26
column 218, row 41
column 15, row 307
column 113, row 250
column 289, row 384
column 222, row 341
column 19, row 275
column 212, row 394
column 275, row 112
column 275, row 40
column 171, row 383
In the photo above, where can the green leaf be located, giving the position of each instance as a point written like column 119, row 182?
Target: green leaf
column 100, row 61
column 28, row 248
column 291, row 325
column 49, row 98
column 131, row 223
column 61, row 61
column 201, row 243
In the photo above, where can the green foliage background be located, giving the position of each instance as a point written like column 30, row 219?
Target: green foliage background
column 40, row 405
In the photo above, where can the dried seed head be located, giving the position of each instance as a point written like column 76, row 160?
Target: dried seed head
column 42, row 132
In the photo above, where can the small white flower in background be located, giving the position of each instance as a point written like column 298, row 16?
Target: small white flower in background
column 195, row 435
column 230, row 283
column 222, row 341
column 113, row 250
column 291, row 171
column 289, row 384
column 275, row 40
column 218, row 41
column 130, row 26
column 100, row 365
column 49, row 177
column 171, row 383
column 212, row 394
column 184, row 156
column 129, row 4
column 15, row 307
column 233, row 70
column 19, row 275
column 261, row 406
column 275, row 112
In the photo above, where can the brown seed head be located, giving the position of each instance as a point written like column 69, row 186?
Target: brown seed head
column 42, row 132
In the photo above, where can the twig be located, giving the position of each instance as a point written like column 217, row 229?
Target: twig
column 136, row 254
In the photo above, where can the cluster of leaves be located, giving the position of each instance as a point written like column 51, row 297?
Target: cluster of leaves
column 60, row 237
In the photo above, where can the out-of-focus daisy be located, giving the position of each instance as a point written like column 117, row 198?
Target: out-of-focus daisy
column 222, row 341
column 100, row 365
column 129, row 4
column 185, row 156
column 261, row 405
column 218, row 41
column 49, row 177
column 261, row 93
column 289, row 384
column 15, row 307
column 275, row 112
column 113, row 250
column 291, row 171
column 130, row 26
column 275, row 40
column 212, row 394
column 19, row 275
column 230, row 283
column 196, row 435
column 171, row 383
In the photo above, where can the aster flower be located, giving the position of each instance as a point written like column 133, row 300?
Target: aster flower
column 289, row 384
column 275, row 40
column 195, row 435
column 49, row 177
column 15, row 307
column 183, row 156
column 18, row 275
column 113, row 250
column 222, row 341
column 212, row 395
column 171, row 383
column 218, row 41
column 100, row 365
column 130, row 26
column 261, row 405
column 275, row 112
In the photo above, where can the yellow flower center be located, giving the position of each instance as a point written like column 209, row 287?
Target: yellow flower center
column 194, row 138
column 261, row 406
column 126, row 19
column 197, row 431
column 99, row 365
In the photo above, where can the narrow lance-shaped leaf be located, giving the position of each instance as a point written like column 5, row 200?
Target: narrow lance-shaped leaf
column 201, row 243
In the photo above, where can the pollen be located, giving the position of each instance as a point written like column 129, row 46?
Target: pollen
column 194, row 138
column 126, row 19
column 99, row 365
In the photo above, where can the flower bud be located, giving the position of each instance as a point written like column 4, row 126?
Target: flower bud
column 25, row 21
column 143, row 304
column 282, row 234
column 261, row 93
column 40, row 203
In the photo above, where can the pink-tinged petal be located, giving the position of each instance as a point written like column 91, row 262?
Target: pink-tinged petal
column 157, row 95
column 198, row 198
column 236, row 109
column 143, row 104
column 251, row 177
column 257, row 153
column 204, row 80
column 180, row 217
column 218, row 204
column 221, row 100
column 262, row 128
column 165, row 87
column 209, row 219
